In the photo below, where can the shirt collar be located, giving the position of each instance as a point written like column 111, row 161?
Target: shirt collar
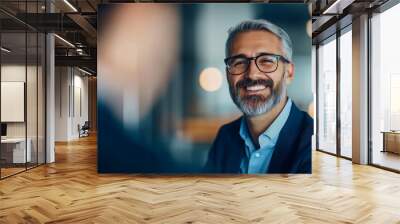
column 272, row 133
column 275, row 128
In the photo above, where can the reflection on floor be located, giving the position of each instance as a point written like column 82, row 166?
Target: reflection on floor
column 71, row 191
column 10, row 169
column 386, row 159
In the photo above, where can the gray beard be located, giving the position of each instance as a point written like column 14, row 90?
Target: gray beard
column 256, row 105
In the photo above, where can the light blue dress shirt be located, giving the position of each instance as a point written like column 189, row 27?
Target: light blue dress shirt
column 257, row 160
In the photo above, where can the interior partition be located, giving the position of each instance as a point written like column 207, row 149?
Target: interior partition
column 22, row 78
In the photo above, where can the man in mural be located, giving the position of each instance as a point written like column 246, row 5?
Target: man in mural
column 273, row 135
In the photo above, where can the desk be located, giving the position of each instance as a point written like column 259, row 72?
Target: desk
column 16, row 147
column 391, row 141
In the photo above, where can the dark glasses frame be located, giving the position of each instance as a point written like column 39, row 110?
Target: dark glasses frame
column 249, row 59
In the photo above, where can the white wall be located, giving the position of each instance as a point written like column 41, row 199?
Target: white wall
column 79, row 117
column 33, row 126
column 16, row 73
column 71, row 93
column 62, row 81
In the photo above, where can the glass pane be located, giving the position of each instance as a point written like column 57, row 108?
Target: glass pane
column 346, row 94
column 327, row 97
column 41, row 98
column 13, row 86
column 385, row 86
column 31, row 100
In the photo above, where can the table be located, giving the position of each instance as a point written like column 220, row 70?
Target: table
column 391, row 141
column 16, row 147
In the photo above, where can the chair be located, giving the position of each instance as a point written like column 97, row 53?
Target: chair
column 84, row 130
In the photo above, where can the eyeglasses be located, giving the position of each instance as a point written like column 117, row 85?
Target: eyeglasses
column 265, row 62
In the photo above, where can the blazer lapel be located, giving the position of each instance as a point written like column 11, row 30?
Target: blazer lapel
column 235, row 150
column 286, row 143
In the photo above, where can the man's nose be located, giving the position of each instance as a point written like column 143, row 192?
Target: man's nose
column 253, row 70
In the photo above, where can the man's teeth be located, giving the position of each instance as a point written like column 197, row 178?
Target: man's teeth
column 255, row 88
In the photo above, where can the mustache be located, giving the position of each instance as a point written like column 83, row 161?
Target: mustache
column 250, row 82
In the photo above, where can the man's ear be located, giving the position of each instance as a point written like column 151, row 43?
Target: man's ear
column 290, row 73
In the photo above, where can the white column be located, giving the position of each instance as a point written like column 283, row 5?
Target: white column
column 50, row 99
column 50, row 92
column 360, row 90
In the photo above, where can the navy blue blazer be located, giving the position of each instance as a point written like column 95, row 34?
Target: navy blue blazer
column 292, row 152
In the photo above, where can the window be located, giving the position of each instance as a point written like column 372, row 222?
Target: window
column 346, row 94
column 327, row 97
column 385, row 89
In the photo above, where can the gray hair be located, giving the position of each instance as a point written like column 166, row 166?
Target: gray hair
column 260, row 24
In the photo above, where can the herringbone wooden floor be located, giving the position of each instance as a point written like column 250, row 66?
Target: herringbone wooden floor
column 71, row 191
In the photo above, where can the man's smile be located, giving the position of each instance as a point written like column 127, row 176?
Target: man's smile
column 256, row 89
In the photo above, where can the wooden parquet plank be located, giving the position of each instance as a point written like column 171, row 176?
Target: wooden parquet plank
column 71, row 191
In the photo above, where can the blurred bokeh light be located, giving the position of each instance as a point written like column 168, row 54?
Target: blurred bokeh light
column 210, row 79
